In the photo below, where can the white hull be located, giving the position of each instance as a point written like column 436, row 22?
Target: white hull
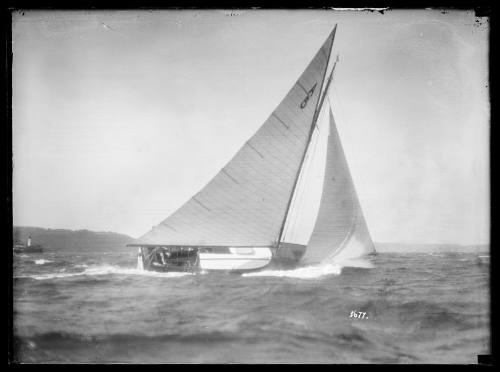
column 239, row 259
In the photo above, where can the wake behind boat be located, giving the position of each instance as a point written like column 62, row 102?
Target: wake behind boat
column 239, row 220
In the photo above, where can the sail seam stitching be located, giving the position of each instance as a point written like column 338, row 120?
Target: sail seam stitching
column 200, row 203
column 166, row 225
column 300, row 85
column 227, row 174
column 257, row 151
column 281, row 121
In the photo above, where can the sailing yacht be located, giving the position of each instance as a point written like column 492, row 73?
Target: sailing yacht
column 239, row 220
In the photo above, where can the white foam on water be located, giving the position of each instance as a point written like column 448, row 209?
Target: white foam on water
column 308, row 272
column 362, row 263
column 107, row 270
column 316, row 271
column 47, row 276
column 42, row 261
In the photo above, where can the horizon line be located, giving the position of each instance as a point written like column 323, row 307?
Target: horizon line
column 121, row 233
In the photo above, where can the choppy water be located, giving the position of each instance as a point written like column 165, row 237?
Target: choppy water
column 96, row 307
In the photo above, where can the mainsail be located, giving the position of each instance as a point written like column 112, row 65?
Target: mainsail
column 246, row 203
column 340, row 231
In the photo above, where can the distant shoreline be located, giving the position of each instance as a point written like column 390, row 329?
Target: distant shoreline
column 71, row 239
column 430, row 248
column 54, row 237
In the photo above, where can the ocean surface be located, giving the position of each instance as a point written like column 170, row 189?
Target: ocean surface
column 96, row 307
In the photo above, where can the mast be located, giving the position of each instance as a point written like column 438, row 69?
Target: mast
column 246, row 202
column 326, row 89
column 311, row 131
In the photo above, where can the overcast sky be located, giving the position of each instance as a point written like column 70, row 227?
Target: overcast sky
column 120, row 116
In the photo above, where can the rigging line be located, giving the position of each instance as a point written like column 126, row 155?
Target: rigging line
column 304, row 182
column 297, row 202
column 311, row 131
column 298, row 196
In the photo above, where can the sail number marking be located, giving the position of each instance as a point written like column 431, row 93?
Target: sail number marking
column 358, row 315
column 303, row 104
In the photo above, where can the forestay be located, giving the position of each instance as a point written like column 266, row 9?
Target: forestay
column 340, row 231
column 246, row 202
